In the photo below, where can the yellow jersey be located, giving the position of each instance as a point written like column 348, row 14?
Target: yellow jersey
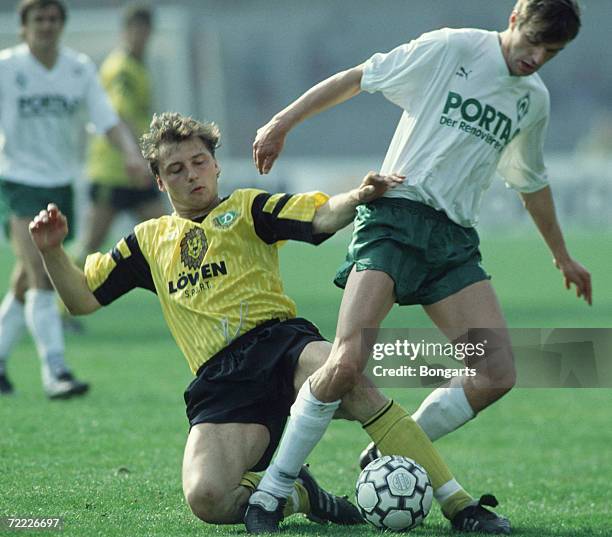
column 215, row 279
column 126, row 81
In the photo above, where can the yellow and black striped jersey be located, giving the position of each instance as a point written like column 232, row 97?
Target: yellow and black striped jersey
column 127, row 82
column 215, row 279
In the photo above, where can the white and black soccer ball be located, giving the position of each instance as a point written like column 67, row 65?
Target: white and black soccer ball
column 394, row 493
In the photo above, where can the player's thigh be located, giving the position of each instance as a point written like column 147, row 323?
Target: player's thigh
column 313, row 356
column 218, row 454
column 367, row 299
column 475, row 306
column 27, row 253
column 475, row 313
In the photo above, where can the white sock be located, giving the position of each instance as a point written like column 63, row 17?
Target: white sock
column 308, row 421
column 443, row 411
column 12, row 326
column 45, row 324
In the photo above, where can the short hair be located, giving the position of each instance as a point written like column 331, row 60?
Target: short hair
column 553, row 20
column 25, row 6
column 172, row 127
column 137, row 14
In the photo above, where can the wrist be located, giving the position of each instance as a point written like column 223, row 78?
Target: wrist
column 52, row 253
column 284, row 121
column 354, row 197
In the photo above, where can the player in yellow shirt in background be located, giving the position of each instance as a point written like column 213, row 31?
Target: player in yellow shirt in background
column 127, row 82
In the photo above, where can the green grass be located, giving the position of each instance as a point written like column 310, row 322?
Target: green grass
column 110, row 463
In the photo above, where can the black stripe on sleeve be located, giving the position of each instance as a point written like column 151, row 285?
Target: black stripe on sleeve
column 270, row 228
column 129, row 273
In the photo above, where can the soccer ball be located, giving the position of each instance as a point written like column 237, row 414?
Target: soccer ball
column 394, row 493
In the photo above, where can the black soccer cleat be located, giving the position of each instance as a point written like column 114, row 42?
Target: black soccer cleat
column 64, row 386
column 6, row 387
column 476, row 519
column 264, row 513
column 369, row 454
column 324, row 506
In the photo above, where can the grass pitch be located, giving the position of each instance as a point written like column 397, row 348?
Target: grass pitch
column 109, row 463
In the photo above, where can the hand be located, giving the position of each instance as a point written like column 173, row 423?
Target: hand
column 139, row 172
column 49, row 228
column 268, row 145
column 574, row 273
column 373, row 185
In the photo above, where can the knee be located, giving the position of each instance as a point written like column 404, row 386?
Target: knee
column 19, row 286
column 503, row 373
column 498, row 377
column 345, row 374
column 207, row 502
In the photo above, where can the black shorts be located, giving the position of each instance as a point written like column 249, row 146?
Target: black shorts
column 120, row 197
column 251, row 380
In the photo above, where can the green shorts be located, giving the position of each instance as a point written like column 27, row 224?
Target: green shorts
column 427, row 255
column 26, row 201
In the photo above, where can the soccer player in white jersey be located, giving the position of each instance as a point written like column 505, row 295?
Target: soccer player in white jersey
column 45, row 92
column 472, row 104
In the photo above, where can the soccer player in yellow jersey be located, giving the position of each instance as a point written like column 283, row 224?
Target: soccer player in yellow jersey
column 214, row 266
column 126, row 80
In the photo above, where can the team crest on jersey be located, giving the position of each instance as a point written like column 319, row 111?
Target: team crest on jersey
column 193, row 248
column 226, row 219
column 21, row 80
column 522, row 106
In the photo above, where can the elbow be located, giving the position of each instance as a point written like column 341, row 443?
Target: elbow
column 322, row 224
column 80, row 309
column 77, row 311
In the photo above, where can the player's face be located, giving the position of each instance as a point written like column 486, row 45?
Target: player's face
column 523, row 53
column 188, row 173
column 137, row 36
column 43, row 27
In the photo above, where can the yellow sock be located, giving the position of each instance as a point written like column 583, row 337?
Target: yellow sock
column 395, row 433
column 297, row 502
column 250, row 480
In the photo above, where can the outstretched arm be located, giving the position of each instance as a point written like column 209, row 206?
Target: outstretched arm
column 339, row 211
column 334, row 90
column 541, row 207
column 48, row 230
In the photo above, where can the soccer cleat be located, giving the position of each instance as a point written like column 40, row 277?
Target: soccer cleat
column 64, row 386
column 6, row 387
column 324, row 506
column 264, row 512
column 476, row 519
column 369, row 454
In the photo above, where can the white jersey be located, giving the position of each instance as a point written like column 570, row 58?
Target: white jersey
column 464, row 117
column 43, row 113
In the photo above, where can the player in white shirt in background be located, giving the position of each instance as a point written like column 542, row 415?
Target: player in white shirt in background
column 472, row 104
column 47, row 93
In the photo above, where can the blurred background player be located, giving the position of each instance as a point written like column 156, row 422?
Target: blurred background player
column 45, row 92
column 126, row 80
